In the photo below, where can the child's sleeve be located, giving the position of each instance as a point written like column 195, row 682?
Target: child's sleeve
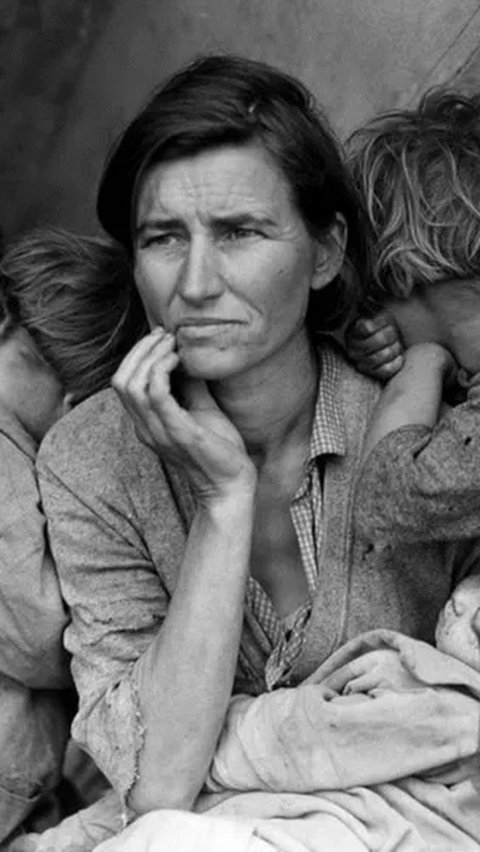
column 421, row 484
column 32, row 614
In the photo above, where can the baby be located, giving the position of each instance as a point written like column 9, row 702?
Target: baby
column 458, row 626
column 457, row 634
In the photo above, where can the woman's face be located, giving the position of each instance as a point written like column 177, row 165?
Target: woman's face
column 224, row 260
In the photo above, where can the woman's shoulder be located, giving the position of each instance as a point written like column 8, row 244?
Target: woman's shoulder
column 93, row 455
column 335, row 359
column 94, row 432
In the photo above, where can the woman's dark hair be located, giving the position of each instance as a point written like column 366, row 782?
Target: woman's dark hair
column 222, row 100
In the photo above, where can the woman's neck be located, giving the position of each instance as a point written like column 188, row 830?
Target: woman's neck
column 273, row 405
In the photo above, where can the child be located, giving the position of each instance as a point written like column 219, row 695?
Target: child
column 420, row 173
column 67, row 317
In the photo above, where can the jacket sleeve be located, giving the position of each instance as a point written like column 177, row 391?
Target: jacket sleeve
column 421, row 484
column 33, row 735
column 115, row 593
column 32, row 613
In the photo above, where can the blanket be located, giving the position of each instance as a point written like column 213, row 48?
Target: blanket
column 391, row 766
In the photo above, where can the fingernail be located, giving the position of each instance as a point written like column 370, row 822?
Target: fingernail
column 364, row 325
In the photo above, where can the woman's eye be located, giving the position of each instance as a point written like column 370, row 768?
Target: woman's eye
column 168, row 240
column 240, row 233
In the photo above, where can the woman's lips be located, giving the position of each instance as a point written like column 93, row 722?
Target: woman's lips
column 204, row 321
column 202, row 328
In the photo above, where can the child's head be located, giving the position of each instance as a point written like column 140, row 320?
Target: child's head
column 419, row 171
column 68, row 315
column 458, row 627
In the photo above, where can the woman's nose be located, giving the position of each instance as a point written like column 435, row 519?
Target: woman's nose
column 199, row 278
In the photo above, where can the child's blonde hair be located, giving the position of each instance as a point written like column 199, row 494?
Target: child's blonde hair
column 419, row 171
column 76, row 298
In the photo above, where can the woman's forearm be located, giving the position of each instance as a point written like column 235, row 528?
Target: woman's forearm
column 185, row 678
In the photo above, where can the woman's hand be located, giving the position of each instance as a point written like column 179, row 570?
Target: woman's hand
column 374, row 670
column 198, row 437
column 374, row 346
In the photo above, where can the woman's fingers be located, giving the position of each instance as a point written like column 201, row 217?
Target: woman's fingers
column 137, row 356
column 194, row 433
column 149, row 363
column 338, row 679
column 153, row 353
column 363, row 683
column 176, row 420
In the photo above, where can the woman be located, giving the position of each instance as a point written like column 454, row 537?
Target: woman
column 203, row 529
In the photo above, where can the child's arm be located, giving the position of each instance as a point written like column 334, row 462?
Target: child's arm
column 420, row 482
column 414, row 395
column 32, row 614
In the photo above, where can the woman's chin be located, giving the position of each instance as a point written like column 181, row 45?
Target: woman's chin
column 208, row 366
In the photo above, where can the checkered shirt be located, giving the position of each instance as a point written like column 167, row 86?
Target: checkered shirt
column 284, row 637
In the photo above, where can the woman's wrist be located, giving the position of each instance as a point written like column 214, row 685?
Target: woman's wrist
column 232, row 501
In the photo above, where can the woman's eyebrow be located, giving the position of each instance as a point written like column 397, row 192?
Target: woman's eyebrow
column 226, row 220
column 150, row 224
column 242, row 219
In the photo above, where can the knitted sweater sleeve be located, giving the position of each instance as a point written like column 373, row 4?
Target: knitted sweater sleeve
column 421, row 484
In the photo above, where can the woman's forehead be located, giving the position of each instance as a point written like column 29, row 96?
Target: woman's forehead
column 230, row 179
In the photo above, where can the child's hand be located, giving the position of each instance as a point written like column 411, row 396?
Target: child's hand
column 374, row 346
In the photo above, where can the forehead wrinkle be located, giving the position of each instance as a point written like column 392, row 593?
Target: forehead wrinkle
column 211, row 193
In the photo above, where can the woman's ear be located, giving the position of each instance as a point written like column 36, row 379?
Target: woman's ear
column 330, row 253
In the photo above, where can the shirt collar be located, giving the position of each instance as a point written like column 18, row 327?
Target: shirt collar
column 328, row 432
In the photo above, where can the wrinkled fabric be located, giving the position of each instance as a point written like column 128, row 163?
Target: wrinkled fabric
column 303, row 760
column 178, row 831
column 405, row 764
column 81, row 832
column 33, row 734
column 118, row 520
column 33, row 664
column 422, row 484
column 32, row 613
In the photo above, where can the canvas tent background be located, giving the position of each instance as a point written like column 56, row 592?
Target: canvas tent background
column 72, row 72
